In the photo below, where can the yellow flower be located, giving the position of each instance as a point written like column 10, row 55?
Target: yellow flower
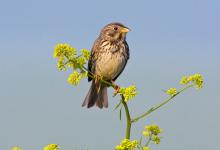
column 70, row 64
column 196, row 79
column 119, row 147
column 184, row 80
column 154, row 129
column 64, row 50
column 60, row 64
column 64, row 53
column 156, row 139
column 51, row 147
column 171, row 91
column 74, row 78
column 146, row 133
column 127, row 144
column 58, row 51
column 16, row 148
column 85, row 53
column 81, row 61
column 129, row 92
column 152, row 132
column 146, row 148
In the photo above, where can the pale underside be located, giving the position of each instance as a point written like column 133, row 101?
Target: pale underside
column 111, row 62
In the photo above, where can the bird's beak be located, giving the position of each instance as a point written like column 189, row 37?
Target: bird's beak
column 125, row 30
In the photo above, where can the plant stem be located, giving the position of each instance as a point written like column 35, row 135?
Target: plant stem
column 152, row 109
column 128, row 118
column 148, row 142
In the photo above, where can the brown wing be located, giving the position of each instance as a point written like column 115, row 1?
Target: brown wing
column 93, row 58
column 90, row 68
column 126, row 55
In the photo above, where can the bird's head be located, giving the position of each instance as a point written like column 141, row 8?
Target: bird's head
column 114, row 32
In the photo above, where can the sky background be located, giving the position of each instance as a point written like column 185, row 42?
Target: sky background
column 169, row 39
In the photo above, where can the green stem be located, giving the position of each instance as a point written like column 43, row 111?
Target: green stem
column 128, row 118
column 160, row 105
column 148, row 142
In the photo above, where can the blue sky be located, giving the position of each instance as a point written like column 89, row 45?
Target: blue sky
column 169, row 39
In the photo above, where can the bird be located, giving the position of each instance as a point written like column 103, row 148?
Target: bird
column 109, row 56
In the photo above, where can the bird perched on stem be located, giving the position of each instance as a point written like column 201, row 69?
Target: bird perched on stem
column 109, row 56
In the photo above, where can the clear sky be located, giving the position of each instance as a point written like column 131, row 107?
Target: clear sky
column 169, row 39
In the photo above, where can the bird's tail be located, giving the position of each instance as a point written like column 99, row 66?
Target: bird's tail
column 97, row 95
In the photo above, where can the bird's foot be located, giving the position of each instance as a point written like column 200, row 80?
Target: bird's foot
column 116, row 88
column 97, row 78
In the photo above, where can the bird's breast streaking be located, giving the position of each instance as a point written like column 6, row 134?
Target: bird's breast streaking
column 111, row 61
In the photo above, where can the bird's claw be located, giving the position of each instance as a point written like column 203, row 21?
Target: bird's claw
column 116, row 88
column 97, row 78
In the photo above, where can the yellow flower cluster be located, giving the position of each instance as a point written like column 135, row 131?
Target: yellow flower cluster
column 81, row 61
column 67, row 57
column 152, row 132
column 74, row 78
column 196, row 79
column 85, row 53
column 51, row 147
column 154, row 129
column 129, row 92
column 16, row 148
column 171, row 91
column 127, row 144
column 62, row 50
column 83, row 58
column 146, row 148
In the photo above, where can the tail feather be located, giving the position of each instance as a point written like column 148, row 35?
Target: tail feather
column 96, row 96
column 105, row 97
column 91, row 96
column 102, row 99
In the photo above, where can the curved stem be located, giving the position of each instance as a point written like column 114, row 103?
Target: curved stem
column 128, row 118
column 160, row 105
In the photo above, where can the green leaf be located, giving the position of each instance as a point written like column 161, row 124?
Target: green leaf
column 140, row 141
column 120, row 113
column 116, row 107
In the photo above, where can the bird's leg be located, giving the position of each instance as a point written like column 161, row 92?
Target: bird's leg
column 97, row 78
column 116, row 88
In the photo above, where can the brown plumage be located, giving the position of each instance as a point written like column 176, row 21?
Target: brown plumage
column 108, row 59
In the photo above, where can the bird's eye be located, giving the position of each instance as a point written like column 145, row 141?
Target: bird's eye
column 116, row 28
